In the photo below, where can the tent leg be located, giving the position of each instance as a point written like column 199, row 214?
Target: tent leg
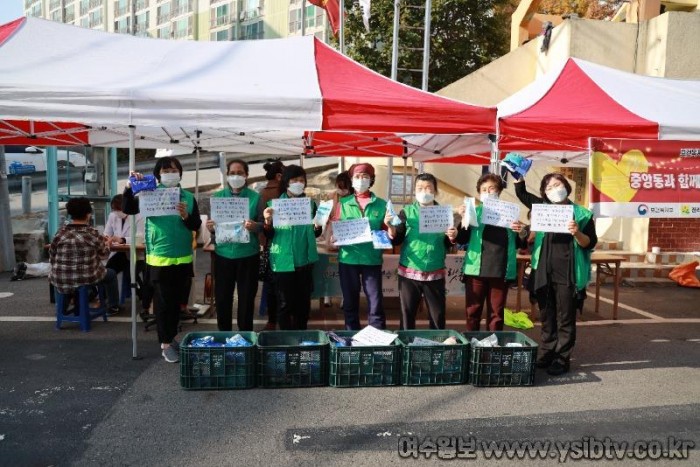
column 405, row 176
column 390, row 173
column 132, row 247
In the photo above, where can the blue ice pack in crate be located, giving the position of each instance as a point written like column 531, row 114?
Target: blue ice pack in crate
column 147, row 183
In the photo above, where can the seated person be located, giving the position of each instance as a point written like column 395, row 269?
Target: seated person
column 76, row 255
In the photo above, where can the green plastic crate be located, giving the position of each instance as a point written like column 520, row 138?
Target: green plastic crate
column 283, row 362
column 433, row 364
column 364, row 366
column 502, row 366
column 217, row 367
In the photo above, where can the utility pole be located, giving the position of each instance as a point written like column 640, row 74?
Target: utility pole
column 7, row 244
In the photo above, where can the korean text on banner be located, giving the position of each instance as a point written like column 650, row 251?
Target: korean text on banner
column 352, row 232
column 551, row 217
column 435, row 219
column 645, row 178
column 160, row 202
column 229, row 209
column 291, row 211
column 500, row 213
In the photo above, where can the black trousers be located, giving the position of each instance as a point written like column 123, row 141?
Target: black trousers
column 558, row 316
column 410, row 292
column 294, row 297
column 241, row 273
column 119, row 262
column 169, row 286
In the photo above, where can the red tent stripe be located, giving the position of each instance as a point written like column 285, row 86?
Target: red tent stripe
column 6, row 30
column 350, row 92
column 574, row 109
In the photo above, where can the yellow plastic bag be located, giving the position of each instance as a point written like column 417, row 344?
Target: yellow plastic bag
column 519, row 320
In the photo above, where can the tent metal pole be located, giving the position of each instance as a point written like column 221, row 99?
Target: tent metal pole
column 303, row 18
column 132, row 247
column 405, row 175
column 113, row 182
column 341, row 31
column 52, row 188
column 494, row 155
column 7, row 251
column 395, row 41
column 389, row 175
column 426, row 45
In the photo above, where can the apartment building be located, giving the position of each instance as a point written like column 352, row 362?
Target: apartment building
column 214, row 20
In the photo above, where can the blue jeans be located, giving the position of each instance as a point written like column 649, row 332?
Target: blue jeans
column 352, row 277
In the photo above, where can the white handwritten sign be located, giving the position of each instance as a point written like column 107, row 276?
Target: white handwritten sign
column 435, row 219
column 160, row 202
column 229, row 209
column 551, row 217
column 370, row 336
column 500, row 213
column 291, row 211
column 352, row 232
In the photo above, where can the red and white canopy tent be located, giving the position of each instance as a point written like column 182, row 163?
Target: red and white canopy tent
column 283, row 96
column 552, row 119
column 64, row 85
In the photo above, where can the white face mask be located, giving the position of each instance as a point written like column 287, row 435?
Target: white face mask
column 170, row 180
column 236, row 181
column 424, row 197
column 484, row 196
column 296, row 188
column 360, row 184
column 120, row 214
column 557, row 195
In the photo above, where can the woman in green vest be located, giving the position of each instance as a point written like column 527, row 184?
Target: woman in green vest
column 561, row 268
column 236, row 264
column 168, row 252
column 490, row 261
column 360, row 265
column 422, row 263
column 292, row 255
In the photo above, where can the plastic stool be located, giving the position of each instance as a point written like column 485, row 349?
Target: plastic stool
column 85, row 313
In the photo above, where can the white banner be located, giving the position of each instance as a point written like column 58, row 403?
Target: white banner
column 160, row 202
column 229, row 209
column 500, row 213
column 435, row 219
column 291, row 211
column 352, row 232
column 551, row 217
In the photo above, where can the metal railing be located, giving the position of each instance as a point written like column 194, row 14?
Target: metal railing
column 182, row 9
column 54, row 4
column 95, row 4
column 258, row 35
column 182, row 33
column 220, row 20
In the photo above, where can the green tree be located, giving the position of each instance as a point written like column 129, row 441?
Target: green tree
column 465, row 35
column 591, row 9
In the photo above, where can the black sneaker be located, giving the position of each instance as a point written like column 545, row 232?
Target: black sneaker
column 558, row 368
column 544, row 362
column 114, row 310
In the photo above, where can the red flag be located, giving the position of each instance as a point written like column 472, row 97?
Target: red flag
column 332, row 10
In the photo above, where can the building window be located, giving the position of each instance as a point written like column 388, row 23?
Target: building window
column 36, row 11
column 182, row 28
column 164, row 33
column 121, row 7
column 141, row 4
column 95, row 3
column 294, row 21
column 310, row 16
column 164, row 13
column 220, row 15
column 53, row 4
column 224, row 35
column 84, row 22
column 181, row 7
column 253, row 31
column 122, row 25
column 141, row 23
column 56, row 16
column 95, row 18
column 84, row 7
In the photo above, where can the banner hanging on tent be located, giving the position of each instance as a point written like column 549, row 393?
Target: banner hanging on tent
column 644, row 178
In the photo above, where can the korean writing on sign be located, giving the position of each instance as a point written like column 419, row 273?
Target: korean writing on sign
column 500, row 213
column 689, row 181
column 291, row 211
column 435, row 219
column 649, row 181
column 551, row 217
column 229, row 209
column 690, row 152
column 160, row 202
column 352, row 232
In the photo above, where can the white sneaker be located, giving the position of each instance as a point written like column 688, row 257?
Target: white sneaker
column 171, row 355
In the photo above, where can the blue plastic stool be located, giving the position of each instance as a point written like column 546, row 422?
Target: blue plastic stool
column 85, row 314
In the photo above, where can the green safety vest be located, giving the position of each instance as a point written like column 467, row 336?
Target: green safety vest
column 293, row 246
column 168, row 240
column 363, row 253
column 472, row 259
column 240, row 250
column 582, row 257
column 421, row 251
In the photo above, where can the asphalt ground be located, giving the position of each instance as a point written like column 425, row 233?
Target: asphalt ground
column 74, row 398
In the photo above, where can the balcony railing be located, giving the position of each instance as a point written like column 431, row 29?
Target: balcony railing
column 95, row 4
column 181, row 33
column 220, row 21
column 258, row 35
column 182, row 9
column 141, row 28
column 54, row 4
column 120, row 10
column 70, row 17
column 28, row 3
column 95, row 22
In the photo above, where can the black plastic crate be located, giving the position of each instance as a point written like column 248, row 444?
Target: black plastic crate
column 217, row 367
column 502, row 366
column 433, row 364
column 364, row 365
column 283, row 362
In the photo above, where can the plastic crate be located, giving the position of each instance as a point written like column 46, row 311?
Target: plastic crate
column 217, row 367
column 502, row 366
column 433, row 364
column 364, row 366
column 283, row 362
